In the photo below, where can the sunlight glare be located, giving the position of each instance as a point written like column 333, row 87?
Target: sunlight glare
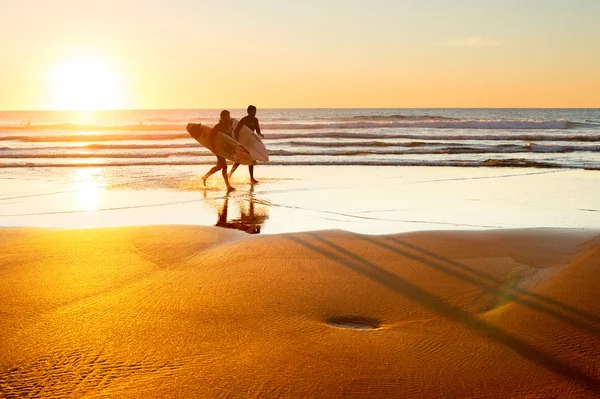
column 88, row 184
column 84, row 84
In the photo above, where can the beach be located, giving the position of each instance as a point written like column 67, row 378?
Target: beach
column 376, row 199
column 186, row 311
column 438, row 253
column 367, row 282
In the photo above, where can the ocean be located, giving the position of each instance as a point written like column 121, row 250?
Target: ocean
column 373, row 171
column 518, row 138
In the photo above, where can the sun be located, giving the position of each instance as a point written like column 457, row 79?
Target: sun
column 84, row 84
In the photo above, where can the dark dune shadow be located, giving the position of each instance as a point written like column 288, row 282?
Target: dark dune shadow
column 448, row 311
column 491, row 284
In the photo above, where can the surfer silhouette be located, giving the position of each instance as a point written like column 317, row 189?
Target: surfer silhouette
column 249, row 221
column 224, row 126
column 251, row 121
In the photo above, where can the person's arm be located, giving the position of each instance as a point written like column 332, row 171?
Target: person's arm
column 212, row 135
column 216, row 129
column 241, row 123
column 258, row 129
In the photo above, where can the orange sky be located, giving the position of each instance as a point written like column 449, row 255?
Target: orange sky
column 198, row 54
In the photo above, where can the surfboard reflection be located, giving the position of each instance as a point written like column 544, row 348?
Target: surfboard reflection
column 251, row 219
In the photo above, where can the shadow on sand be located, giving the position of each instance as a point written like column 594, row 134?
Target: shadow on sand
column 454, row 313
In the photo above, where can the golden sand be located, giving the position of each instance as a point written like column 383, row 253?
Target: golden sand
column 159, row 312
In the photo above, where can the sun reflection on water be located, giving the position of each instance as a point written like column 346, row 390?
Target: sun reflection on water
column 89, row 183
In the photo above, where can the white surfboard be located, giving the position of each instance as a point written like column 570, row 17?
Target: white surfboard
column 252, row 143
column 220, row 144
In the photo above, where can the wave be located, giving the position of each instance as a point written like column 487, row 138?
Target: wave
column 302, row 139
column 357, row 152
column 88, row 127
column 548, row 148
column 431, row 124
column 95, row 137
column 316, row 151
column 108, row 155
column 441, row 136
column 354, row 122
column 84, row 147
column 358, row 144
column 527, row 147
column 587, row 123
column 400, row 117
column 383, row 117
column 516, row 162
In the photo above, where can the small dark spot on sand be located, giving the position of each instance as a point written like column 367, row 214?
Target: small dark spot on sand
column 353, row 322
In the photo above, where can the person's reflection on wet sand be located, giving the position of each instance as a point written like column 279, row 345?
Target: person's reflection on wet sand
column 250, row 221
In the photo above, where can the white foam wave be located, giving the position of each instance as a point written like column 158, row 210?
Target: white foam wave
column 338, row 144
column 316, row 151
column 431, row 124
column 86, row 138
column 384, row 117
column 500, row 136
column 94, row 147
column 416, row 118
column 90, row 127
column 127, row 155
column 519, row 162
column 355, row 122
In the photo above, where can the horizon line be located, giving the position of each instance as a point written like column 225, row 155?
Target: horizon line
column 271, row 108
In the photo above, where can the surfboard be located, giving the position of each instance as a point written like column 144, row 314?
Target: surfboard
column 220, row 144
column 252, row 142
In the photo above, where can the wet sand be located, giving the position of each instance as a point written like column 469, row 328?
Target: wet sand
column 372, row 200
column 188, row 311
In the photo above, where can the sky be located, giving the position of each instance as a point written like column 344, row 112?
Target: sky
column 134, row 54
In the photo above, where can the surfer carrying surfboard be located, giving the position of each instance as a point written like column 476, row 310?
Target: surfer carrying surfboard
column 224, row 126
column 251, row 122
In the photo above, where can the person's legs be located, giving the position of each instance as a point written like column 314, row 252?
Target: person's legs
column 251, row 170
column 221, row 165
column 210, row 172
column 224, row 170
column 233, row 168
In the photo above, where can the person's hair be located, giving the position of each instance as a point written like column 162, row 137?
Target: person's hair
column 224, row 112
column 251, row 108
